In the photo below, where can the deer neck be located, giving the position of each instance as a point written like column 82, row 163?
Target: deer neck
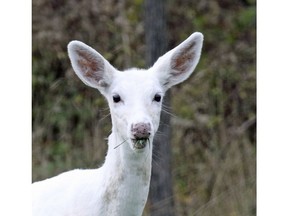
column 127, row 177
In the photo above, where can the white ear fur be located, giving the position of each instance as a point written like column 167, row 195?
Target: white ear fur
column 90, row 66
column 178, row 64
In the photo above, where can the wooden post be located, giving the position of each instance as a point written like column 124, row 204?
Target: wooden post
column 161, row 190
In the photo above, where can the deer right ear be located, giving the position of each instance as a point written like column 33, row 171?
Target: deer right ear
column 178, row 64
column 90, row 66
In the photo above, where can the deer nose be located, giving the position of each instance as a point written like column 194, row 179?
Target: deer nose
column 141, row 130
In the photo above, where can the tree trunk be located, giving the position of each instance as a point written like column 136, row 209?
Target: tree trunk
column 161, row 192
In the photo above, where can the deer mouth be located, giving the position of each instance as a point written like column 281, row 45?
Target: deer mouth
column 140, row 143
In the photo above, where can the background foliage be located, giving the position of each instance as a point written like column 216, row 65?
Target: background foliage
column 214, row 111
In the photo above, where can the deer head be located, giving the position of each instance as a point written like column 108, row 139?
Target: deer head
column 135, row 96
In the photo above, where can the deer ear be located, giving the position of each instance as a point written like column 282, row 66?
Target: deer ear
column 90, row 66
column 178, row 64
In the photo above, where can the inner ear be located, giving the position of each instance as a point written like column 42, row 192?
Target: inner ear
column 182, row 60
column 178, row 64
column 92, row 67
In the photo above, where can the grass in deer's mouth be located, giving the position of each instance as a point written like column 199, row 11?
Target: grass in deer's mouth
column 139, row 143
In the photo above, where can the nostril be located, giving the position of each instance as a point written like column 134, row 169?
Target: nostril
column 141, row 130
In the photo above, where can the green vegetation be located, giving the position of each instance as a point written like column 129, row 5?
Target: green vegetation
column 214, row 141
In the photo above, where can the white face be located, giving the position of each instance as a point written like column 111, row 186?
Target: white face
column 135, row 98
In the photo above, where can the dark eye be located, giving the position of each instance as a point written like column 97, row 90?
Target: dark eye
column 116, row 98
column 157, row 98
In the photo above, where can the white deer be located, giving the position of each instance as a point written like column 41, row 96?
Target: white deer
column 120, row 187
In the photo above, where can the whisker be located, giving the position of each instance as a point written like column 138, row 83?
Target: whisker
column 160, row 136
column 168, row 112
column 161, row 132
column 166, row 106
column 162, row 123
column 120, row 143
column 105, row 116
column 149, row 146
column 105, row 109
column 155, row 162
column 167, row 109
column 156, row 158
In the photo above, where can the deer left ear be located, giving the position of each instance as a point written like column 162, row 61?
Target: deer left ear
column 90, row 66
column 178, row 64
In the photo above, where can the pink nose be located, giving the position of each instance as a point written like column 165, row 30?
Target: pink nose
column 141, row 130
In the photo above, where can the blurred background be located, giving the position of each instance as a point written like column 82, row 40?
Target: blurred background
column 213, row 124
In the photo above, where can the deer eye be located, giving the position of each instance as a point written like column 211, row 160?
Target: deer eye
column 157, row 97
column 116, row 98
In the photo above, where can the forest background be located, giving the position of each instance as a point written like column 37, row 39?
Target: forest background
column 214, row 112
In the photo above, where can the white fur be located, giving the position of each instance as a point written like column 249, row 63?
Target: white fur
column 121, row 185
